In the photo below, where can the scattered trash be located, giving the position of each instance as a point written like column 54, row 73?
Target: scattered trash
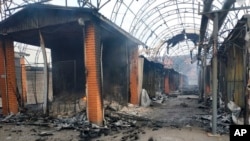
column 151, row 139
column 184, row 104
column 237, row 115
column 223, row 121
column 42, row 139
column 145, row 100
column 122, row 119
column 158, row 98
column 9, row 138
column 45, row 134
column 114, row 122
column 202, row 107
column 7, row 117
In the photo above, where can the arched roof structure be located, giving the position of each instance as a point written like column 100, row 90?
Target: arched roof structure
column 167, row 28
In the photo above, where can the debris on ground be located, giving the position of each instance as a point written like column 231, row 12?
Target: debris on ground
column 224, row 119
column 114, row 123
column 145, row 100
column 164, row 111
column 159, row 98
column 184, row 104
column 237, row 113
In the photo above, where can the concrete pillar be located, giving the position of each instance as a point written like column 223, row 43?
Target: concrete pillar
column 93, row 74
column 134, row 95
column 8, row 77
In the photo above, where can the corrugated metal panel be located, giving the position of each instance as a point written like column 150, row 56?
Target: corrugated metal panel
column 37, row 16
column 234, row 76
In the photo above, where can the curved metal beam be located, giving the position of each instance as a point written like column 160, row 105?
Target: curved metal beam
column 222, row 16
column 163, row 17
column 204, row 21
column 139, row 14
column 128, row 9
column 115, row 11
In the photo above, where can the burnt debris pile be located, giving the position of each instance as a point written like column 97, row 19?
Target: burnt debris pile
column 114, row 123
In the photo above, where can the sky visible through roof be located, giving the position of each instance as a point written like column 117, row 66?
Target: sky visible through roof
column 168, row 28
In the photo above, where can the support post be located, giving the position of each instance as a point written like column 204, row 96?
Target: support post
column 215, row 81
column 246, row 76
column 92, row 52
column 204, row 73
column 8, row 85
column 202, row 83
column 46, row 75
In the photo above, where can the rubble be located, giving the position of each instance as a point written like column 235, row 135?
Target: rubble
column 45, row 134
column 145, row 100
column 224, row 120
column 159, row 98
column 7, row 118
column 237, row 116
column 114, row 122
column 128, row 120
column 184, row 104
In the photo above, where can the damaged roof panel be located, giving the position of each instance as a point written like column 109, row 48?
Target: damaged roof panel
column 23, row 26
column 236, row 36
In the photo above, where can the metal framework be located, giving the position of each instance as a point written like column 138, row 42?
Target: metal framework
column 164, row 26
column 178, row 31
column 9, row 7
column 156, row 23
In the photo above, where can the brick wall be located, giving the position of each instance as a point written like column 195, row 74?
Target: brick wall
column 23, row 80
column 2, row 79
column 9, row 99
column 166, row 83
column 92, row 65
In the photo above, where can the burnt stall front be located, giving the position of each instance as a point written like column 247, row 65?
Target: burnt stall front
column 92, row 58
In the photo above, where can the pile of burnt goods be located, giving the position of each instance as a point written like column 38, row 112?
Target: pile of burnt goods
column 223, row 122
column 114, row 123
column 146, row 101
column 224, row 118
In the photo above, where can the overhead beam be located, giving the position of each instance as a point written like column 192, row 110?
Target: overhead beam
column 222, row 14
column 214, row 73
column 204, row 20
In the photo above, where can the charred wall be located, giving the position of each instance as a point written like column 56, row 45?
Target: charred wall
column 116, row 70
column 231, row 80
column 68, row 67
column 183, row 80
column 208, row 80
column 153, row 78
column 174, row 79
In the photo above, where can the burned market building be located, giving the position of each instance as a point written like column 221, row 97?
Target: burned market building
column 91, row 57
